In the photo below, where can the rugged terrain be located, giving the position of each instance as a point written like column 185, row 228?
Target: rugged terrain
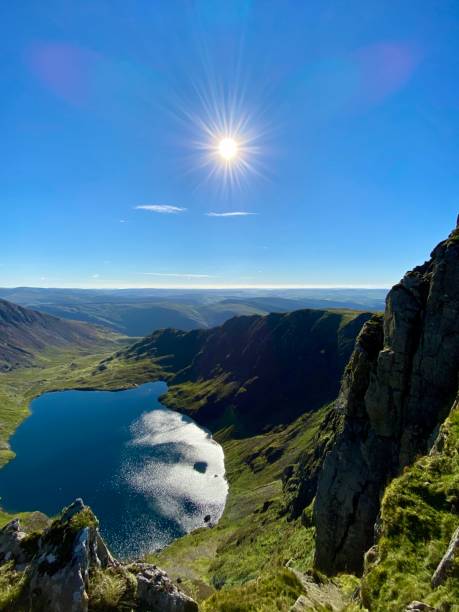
column 253, row 373
column 66, row 566
column 343, row 479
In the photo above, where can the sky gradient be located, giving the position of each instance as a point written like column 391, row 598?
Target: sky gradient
column 349, row 113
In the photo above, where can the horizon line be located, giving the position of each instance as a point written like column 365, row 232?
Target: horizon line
column 194, row 287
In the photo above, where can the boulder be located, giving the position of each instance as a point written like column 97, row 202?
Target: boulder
column 155, row 591
column 419, row 606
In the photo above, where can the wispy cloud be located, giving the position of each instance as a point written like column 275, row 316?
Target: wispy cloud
column 176, row 275
column 161, row 208
column 95, row 275
column 236, row 213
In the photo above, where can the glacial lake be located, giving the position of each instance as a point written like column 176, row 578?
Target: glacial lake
column 150, row 474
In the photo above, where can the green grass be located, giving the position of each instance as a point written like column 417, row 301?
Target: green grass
column 11, row 587
column 277, row 589
column 110, row 589
column 253, row 539
column 419, row 515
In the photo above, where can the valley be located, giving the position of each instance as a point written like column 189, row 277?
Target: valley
column 319, row 447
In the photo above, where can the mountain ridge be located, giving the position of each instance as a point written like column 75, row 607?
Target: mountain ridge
column 25, row 332
column 254, row 372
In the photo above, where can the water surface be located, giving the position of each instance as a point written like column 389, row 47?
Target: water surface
column 149, row 473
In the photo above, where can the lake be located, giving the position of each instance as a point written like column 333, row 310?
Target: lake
column 150, row 474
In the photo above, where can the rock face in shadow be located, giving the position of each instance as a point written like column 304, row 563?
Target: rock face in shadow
column 68, row 568
column 397, row 389
column 255, row 372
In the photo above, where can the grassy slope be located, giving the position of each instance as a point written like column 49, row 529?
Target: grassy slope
column 245, row 555
column 419, row 515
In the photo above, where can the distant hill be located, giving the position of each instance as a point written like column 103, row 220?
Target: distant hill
column 138, row 312
column 25, row 332
column 258, row 371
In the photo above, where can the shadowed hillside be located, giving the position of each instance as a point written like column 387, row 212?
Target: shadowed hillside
column 255, row 372
column 25, row 332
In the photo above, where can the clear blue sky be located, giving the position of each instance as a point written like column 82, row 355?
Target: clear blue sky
column 351, row 108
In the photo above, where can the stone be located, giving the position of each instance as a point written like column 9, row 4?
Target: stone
column 11, row 537
column 398, row 387
column 156, row 591
column 60, row 561
column 447, row 563
column 419, row 606
column 318, row 596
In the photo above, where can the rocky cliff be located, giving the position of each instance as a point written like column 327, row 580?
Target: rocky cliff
column 397, row 389
column 67, row 568
column 255, row 372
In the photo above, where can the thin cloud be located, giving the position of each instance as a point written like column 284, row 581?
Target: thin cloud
column 166, row 209
column 175, row 275
column 236, row 213
column 96, row 276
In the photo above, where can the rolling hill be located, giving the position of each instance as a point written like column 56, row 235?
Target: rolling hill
column 25, row 332
column 139, row 312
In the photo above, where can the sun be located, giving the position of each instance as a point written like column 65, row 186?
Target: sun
column 228, row 148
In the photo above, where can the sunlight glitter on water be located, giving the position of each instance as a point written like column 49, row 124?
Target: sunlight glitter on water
column 181, row 468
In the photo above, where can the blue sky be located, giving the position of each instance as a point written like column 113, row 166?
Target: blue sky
column 347, row 114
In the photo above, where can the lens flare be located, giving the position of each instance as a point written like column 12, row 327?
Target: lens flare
column 224, row 136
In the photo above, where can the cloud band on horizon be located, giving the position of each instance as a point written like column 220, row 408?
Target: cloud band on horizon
column 176, row 275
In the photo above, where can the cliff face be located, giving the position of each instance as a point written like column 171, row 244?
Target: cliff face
column 255, row 372
column 398, row 388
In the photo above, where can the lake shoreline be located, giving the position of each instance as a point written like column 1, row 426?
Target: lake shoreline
column 162, row 502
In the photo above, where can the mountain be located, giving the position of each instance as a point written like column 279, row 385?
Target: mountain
column 25, row 332
column 398, row 389
column 138, row 312
column 254, row 372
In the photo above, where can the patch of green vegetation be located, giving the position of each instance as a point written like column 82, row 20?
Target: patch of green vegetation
column 111, row 589
column 192, row 396
column 419, row 514
column 253, row 539
column 276, row 589
column 11, row 587
column 84, row 518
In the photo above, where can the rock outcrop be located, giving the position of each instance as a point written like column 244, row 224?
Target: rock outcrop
column 446, row 565
column 59, row 570
column 397, row 389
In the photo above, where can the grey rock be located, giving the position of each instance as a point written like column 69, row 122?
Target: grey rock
column 398, row 387
column 11, row 549
column 447, row 563
column 323, row 596
column 419, row 606
column 155, row 591
column 59, row 562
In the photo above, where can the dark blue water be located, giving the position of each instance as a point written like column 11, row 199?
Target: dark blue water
column 150, row 474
